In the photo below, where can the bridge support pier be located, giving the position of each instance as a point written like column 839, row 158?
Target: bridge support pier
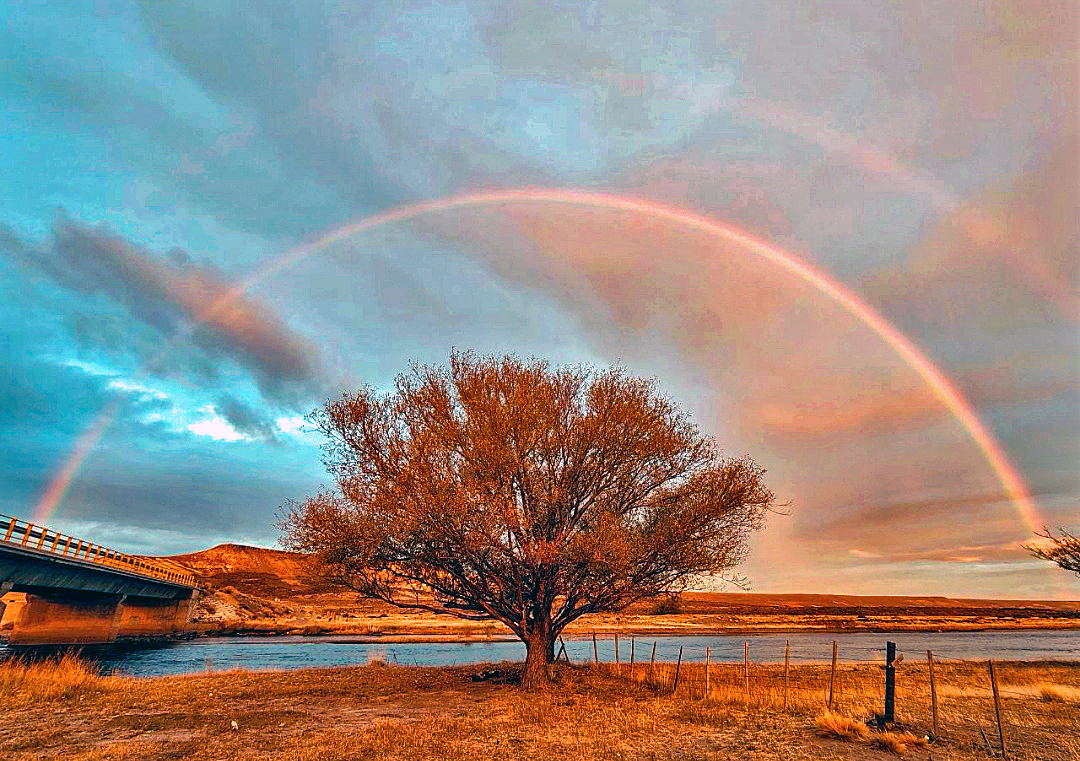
column 83, row 620
column 148, row 617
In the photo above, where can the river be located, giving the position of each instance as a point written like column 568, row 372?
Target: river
column 256, row 653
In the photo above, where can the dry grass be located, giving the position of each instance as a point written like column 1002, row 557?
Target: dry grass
column 839, row 727
column 594, row 714
column 846, row 729
column 897, row 743
column 1057, row 693
column 48, row 680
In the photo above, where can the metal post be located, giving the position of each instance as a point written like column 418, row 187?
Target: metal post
column 595, row 656
column 933, row 690
column 616, row 652
column 678, row 666
column 997, row 711
column 652, row 663
column 631, row 658
column 890, row 683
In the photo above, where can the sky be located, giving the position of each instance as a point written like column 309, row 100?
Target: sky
column 209, row 225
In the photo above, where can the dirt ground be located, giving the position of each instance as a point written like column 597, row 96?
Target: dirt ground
column 381, row 712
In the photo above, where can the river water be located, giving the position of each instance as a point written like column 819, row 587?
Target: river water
column 256, row 653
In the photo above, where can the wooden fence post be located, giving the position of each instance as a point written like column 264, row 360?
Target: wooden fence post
column 652, row 663
column 678, row 666
column 708, row 655
column 787, row 663
column 997, row 711
column 595, row 656
column 562, row 651
column 616, row 652
column 746, row 667
column 832, row 675
column 890, row 683
column 632, row 639
column 933, row 690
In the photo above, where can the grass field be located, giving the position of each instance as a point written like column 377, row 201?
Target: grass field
column 64, row 710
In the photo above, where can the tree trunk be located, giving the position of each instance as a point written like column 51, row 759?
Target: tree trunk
column 540, row 653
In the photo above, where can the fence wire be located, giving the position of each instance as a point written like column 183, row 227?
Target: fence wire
column 1036, row 712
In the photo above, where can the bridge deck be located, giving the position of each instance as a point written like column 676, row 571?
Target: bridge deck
column 27, row 536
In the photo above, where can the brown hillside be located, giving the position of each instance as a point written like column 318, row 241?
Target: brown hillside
column 254, row 570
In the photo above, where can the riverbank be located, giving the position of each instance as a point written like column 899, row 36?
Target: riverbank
column 385, row 712
column 228, row 610
column 405, row 628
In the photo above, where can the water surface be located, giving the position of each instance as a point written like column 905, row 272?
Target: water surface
column 256, row 653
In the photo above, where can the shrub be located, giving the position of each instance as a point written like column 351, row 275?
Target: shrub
column 896, row 743
column 1058, row 693
column 668, row 606
column 841, row 727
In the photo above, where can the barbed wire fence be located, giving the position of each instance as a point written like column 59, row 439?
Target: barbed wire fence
column 1005, row 709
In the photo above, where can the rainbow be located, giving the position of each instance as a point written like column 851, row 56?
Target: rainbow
column 945, row 392
column 84, row 445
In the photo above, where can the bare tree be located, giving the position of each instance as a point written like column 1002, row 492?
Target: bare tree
column 510, row 490
column 1063, row 550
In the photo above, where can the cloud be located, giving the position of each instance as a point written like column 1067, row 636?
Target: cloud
column 184, row 303
column 244, row 419
column 923, row 159
column 291, row 425
column 217, row 428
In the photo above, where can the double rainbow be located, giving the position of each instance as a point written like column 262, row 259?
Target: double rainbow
column 946, row 393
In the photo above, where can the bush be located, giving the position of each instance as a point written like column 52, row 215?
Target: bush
column 668, row 606
column 841, row 727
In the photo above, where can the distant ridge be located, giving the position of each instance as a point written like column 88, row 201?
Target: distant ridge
column 805, row 601
column 280, row 573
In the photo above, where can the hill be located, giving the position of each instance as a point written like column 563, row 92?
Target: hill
column 256, row 589
column 254, row 570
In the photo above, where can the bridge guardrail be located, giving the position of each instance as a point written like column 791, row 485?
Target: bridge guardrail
column 25, row 534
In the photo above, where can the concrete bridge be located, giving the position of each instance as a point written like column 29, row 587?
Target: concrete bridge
column 59, row 590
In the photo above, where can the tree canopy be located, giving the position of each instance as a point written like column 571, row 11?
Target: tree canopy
column 511, row 490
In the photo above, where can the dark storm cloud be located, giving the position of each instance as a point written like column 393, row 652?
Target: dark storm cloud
column 175, row 297
column 245, row 419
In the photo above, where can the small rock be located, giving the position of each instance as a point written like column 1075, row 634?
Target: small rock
column 235, row 726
